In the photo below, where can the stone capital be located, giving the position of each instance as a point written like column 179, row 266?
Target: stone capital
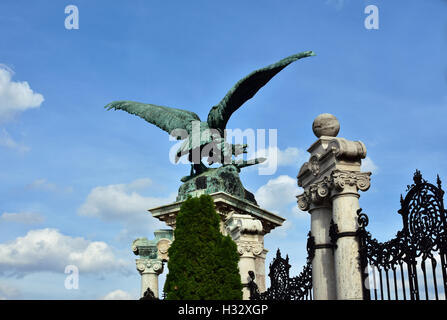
column 344, row 149
column 250, row 248
column 156, row 248
column 145, row 249
column 154, row 266
column 315, row 195
column 340, row 182
column 349, row 181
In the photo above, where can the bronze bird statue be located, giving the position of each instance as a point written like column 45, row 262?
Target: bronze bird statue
column 211, row 138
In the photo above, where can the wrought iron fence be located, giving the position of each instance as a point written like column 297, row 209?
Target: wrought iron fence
column 413, row 264
column 282, row 286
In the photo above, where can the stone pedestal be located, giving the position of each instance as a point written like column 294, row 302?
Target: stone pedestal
column 245, row 222
column 331, row 180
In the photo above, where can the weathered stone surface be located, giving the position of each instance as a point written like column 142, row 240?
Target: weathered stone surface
column 248, row 234
column 225, row 179
column 152, row 255
column 326, row 124
column 331, row 180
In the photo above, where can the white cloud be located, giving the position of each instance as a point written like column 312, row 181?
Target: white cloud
column 49, row 250
column 8, row 292
column 122, row 203
column 369, row 165
column 118, row 295
column 283, row 230
column 44, row 185
column 288, row 157
column 15, row 96
column 279, row 195
column 7, row 141
column 22, row 217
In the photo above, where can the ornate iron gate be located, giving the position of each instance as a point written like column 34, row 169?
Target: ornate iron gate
column 413, row 264
column 282, row 286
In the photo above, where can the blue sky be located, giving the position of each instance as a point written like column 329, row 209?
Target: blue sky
column 76, row 178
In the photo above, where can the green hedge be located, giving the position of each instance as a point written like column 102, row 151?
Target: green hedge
column 203, row 264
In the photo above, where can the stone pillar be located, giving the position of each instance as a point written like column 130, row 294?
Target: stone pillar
column 315, row 201
column 149, row 270
column 323, row 280
column 331, row 180
column 248, row 234
column 345, row 202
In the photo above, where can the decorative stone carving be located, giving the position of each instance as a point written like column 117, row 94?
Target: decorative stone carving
column 315, row 193
column 249, row 247
column 152, row 255
column 163, row 246
column 360, row 180
column 149, row 270
column 149, row 266
column 156, row 266
column 141, row 266
column 303, row 201
column 330, row 154
column 347, row 150
column 238, row 224
column 156, row 248
column 331, row 180
column 314, row 166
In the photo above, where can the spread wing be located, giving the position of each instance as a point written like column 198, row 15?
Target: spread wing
column 167, row 119
column 246, row 88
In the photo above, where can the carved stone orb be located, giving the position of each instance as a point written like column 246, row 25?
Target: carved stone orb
column 326, row 124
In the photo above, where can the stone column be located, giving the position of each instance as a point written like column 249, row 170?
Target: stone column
column 345, row 202
column 315, row 201
column 248, row 234
column 149, row 270
column 331, row 180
